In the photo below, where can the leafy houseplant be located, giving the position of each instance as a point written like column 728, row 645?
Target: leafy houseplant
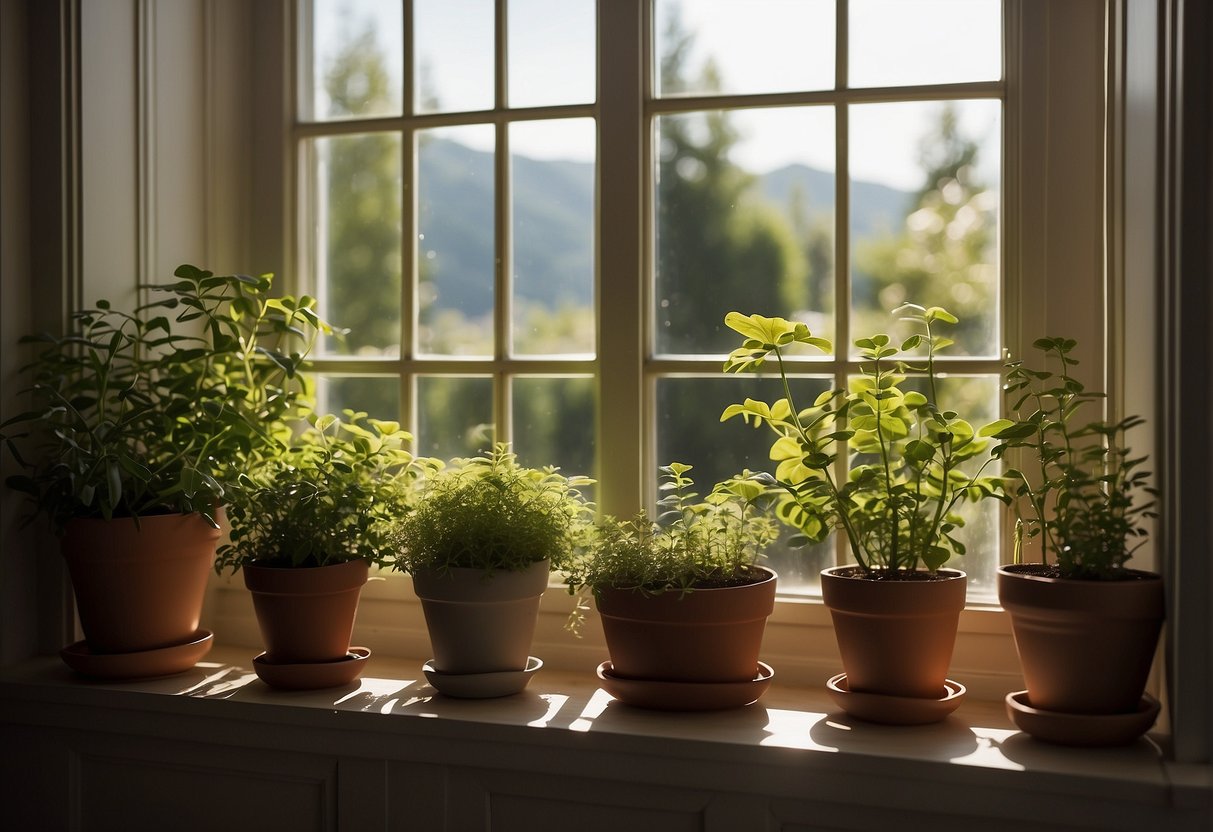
column 139, row 421
column 1086, row 625
column 479, row 545
column 682, row 599
column 306, row 523
column 909, row 469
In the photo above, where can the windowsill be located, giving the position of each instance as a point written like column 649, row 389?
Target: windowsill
column 975, row 748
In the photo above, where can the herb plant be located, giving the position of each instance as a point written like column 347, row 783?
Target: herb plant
column 1077, row 490
column 693, row 544
column 907, row 473
column 334, row 495
column 488, row 513
column 134, row 416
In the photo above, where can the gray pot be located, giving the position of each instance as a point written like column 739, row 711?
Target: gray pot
column 481, row 622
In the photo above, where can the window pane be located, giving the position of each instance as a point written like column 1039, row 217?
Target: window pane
column 358, row 59
column 554, row 422
column 894, row 43
column 706, row 47
column 455, row 241
column 688, row 431
column 552, row 52
column 454, row 415
column 552, row 169
column 377, row 396
column 355, row 239
column 745, row 221
column 455, row 48
column 925, row 216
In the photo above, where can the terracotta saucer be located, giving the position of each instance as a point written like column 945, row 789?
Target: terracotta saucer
column 481, row 685
column 685, row 696
column 895, row 710
column 144, row 664
column 1081, row 729
column 312, row 675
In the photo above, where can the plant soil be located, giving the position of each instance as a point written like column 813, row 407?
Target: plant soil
column 1049, row 570
column 899, row 575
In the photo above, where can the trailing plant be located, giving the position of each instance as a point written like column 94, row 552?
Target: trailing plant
column 907, row 458
column 489, row 513
column 1078, row 489
column 335, row 494
column 693, row 544
column 156, row 410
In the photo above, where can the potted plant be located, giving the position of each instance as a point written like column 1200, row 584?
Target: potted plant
column 307, row 522
column 479, row 546
column 911, row 463
column 135, row 430
column 1086, row 624
column 682, row 601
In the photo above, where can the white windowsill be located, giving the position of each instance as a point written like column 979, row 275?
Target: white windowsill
column 974, row 749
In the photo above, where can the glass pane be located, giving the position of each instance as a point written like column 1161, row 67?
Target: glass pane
column 455, row 241
column 705, row 47
column 552, row 52
column 357, row 59
column 687, row 431
column 976, row 399
column 894, row 43
column 454, row 415
column 745, row 222
column 554, row 422
column 356, row 238
column 552, row 169
column 455, row 48
column 377, row 396
column 925, row 217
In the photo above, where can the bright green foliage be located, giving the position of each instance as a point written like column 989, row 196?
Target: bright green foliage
column 335, row 494
column 693, row 544
column 158, row 410
column 1078, row 493
column 906, row 476
column 488, row 512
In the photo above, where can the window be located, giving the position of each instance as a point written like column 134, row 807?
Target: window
column 823, row 160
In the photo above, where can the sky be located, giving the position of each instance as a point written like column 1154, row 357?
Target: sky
column 756, row 45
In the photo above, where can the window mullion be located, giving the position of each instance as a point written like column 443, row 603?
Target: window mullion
column 842, row 236
column 622, row 136
column 503, row 241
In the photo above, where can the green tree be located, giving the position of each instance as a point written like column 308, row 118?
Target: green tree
column 719, row 246
column 363, row 216
column 944, row 254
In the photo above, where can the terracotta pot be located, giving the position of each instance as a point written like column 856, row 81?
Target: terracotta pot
column 139, row 587
column 708, row 635
column 1085, row 646
column 481, row 622
column 895, row 637
column 306, row 614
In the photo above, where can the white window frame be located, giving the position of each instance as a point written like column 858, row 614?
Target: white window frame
column 1052, row 283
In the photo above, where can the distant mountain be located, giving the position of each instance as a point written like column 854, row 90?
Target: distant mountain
column 553, row 213
column 875, row 208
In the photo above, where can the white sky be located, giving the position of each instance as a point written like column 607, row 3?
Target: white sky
column 757, row 45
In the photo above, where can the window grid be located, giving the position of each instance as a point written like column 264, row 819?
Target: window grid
column 841, row 364
column 410, row 365
column 503, row 367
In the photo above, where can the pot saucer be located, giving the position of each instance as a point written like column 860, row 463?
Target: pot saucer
column 895, row 710
column 1081, row 729
column 481, row 685
column 142, row 664
column 685, row 696
column 312, row 675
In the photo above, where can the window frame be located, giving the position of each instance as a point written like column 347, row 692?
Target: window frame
column 1033, row 190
